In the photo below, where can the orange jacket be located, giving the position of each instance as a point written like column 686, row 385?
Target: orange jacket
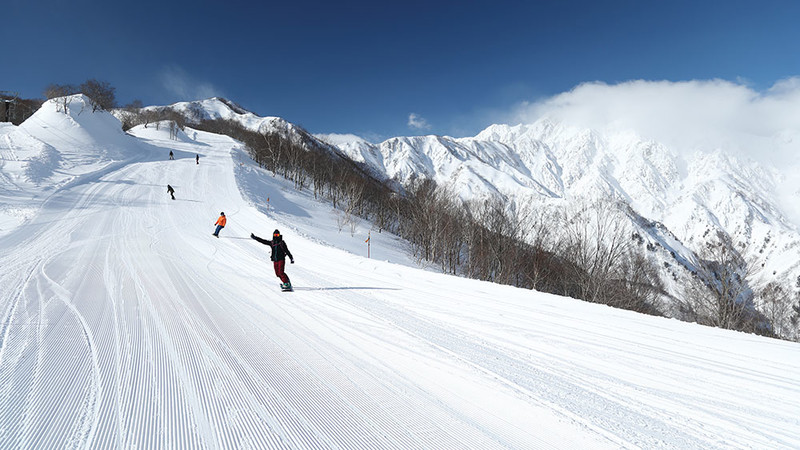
column 221, row 221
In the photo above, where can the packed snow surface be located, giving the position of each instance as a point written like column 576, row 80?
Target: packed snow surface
column 125, row 324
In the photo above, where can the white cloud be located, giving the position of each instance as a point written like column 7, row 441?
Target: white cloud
column 418, row 123
column 181, row 85
column 687, row 115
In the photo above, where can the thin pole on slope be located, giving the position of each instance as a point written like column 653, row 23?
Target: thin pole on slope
column 369, row 234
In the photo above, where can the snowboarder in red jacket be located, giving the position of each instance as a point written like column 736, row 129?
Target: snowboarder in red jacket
column 279, row 253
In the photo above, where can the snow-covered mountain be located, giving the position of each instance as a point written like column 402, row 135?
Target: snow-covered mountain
column 682, row 200
column 219, row 108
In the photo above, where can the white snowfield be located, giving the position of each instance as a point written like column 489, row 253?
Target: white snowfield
column 125, row 324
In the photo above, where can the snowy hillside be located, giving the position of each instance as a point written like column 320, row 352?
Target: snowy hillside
column 52, row 149
column 549, row 162
column 219, row 108
column 125, row 324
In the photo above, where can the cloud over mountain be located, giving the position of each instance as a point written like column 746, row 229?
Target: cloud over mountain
column 687, row 115
column 691, row 116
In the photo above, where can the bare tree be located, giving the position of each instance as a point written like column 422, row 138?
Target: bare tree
column 596, row 241
column 794, row 316
column 134, row 106
column 640, row 288
column 100, row 93
column 503, row 238
column 776, row 305
column 130, row 115
column 720, row 295
column 537, row 230
column 173, row 130
column 603, row 263
column 61, row 95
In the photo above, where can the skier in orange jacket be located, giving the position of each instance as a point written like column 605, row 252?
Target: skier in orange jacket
column 220, row 223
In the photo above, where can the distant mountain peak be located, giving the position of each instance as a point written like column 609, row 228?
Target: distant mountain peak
column 549, row 161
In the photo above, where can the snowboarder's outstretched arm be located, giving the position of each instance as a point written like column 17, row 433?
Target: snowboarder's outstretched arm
column 288, row 253
column 263, row 241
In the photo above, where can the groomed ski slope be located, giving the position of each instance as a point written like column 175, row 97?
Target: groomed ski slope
column 125, row 324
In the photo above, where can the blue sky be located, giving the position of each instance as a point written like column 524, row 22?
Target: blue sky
column 366, row 67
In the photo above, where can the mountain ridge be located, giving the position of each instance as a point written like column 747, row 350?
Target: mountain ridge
column 692, row 197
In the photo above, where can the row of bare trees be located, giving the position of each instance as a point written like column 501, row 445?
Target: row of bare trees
column 15, row 109
column 781, row 307
column 725, row 293
column 598, row 239
column 721, row 296
column 773, row 308
column 100, row 93
column 134, row 115
column 595, row 256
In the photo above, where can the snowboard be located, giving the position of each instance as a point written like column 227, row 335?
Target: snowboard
column 283, row 289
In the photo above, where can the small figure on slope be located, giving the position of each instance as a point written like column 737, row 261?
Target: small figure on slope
column 171, row 192
column 220, row 223
column 197, row 159
column 171, row 155
column 279, row 253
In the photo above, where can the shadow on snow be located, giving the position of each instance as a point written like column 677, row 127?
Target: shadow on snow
column 344, row 288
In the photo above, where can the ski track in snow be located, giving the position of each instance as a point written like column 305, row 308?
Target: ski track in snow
column 125, row 324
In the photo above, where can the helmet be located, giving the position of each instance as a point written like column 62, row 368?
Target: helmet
column 276, row 233
column 222, row 214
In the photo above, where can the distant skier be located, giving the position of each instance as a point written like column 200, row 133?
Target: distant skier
column 171, row 192
column 171, row 155
column 220, row 223
column 279, row 253
column 197, row 159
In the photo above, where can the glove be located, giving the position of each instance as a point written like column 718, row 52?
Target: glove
column 292, row 261
column 252, row 236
